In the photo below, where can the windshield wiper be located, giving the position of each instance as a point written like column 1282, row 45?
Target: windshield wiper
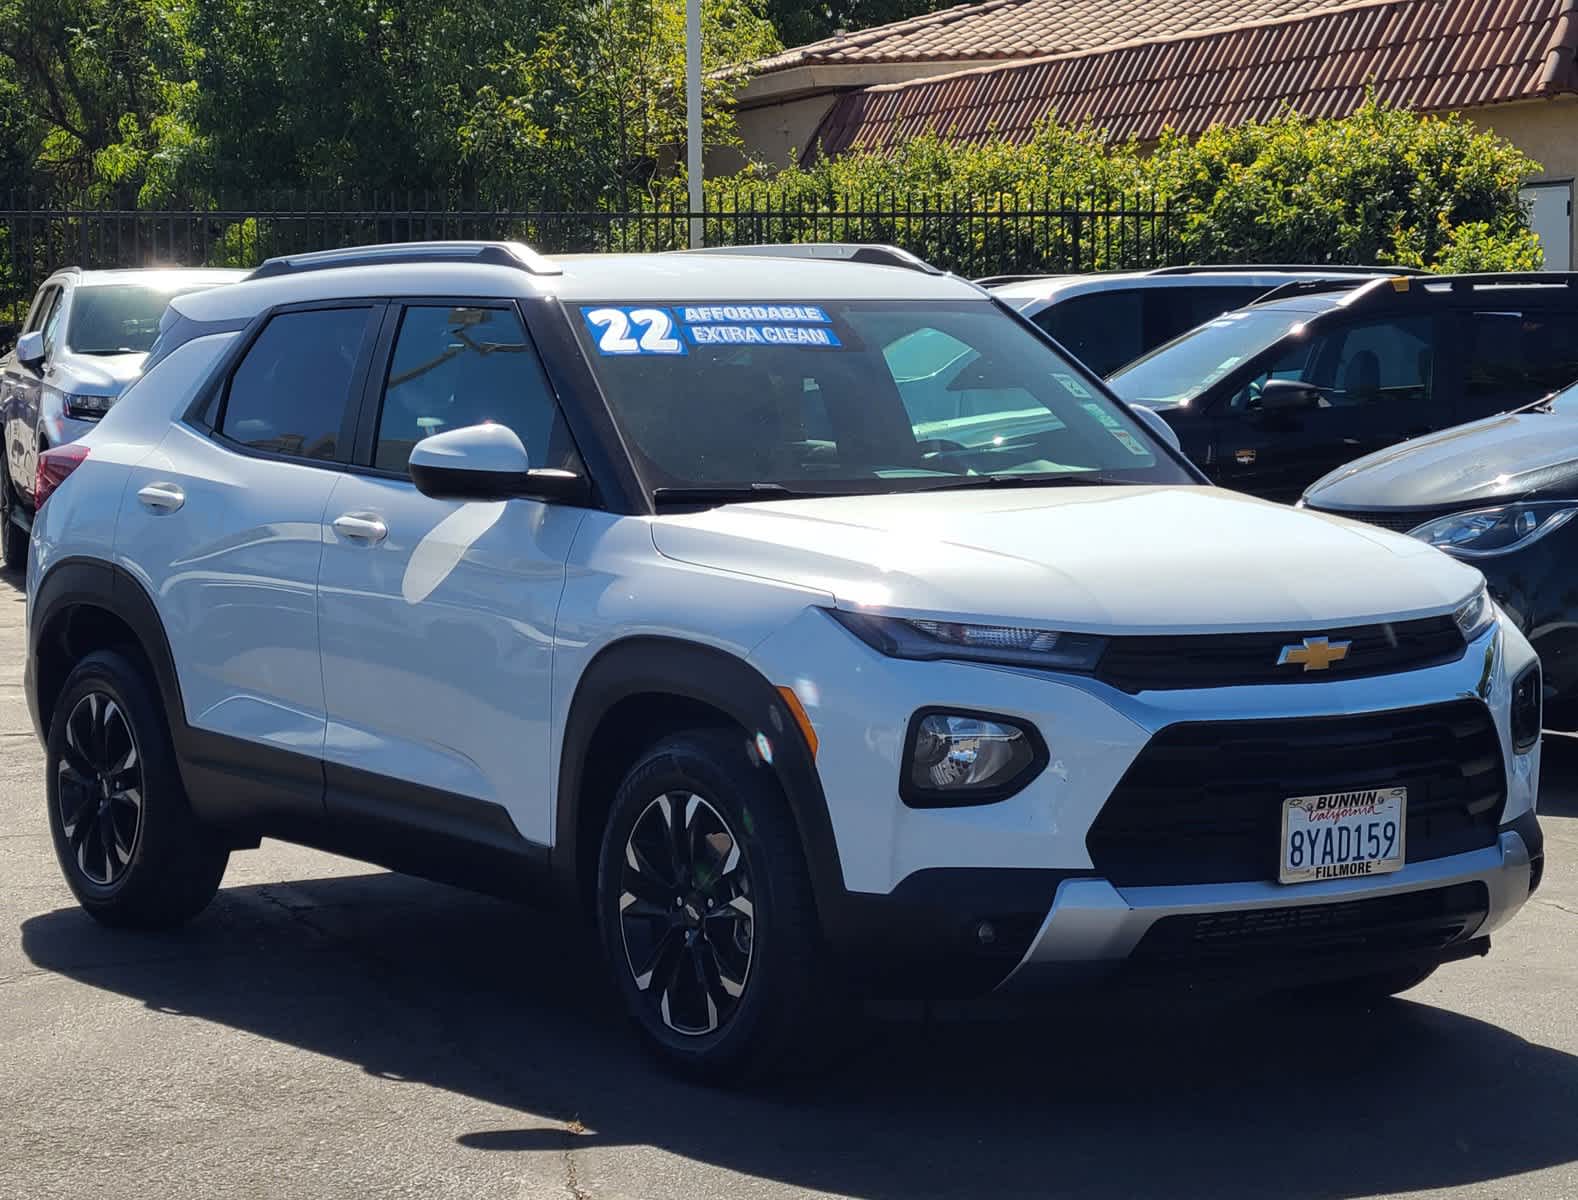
column 1008, row 480
column 732, row 494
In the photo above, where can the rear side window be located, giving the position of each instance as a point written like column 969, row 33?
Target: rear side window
column 1104, row 331
column 292, row 392
column 1514, row 358
column 1170, row 311
column 459, row 365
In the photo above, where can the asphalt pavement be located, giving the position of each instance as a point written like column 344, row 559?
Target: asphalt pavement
column 328, row 1029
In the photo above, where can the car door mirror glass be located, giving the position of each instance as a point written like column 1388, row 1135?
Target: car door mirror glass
column 30, row 349
column 487, row 462
column 1288, row 395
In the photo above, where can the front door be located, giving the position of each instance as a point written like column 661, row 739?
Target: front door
column 1375, row 379
column 437, row 617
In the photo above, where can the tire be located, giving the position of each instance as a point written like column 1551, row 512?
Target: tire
column 124, row 834
column 770, row 989
column 13, row 538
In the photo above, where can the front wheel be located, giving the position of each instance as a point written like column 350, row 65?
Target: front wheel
column 13, row 538
column 705, row 908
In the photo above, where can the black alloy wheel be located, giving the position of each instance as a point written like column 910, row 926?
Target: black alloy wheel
column 685, row 913
column 99, row 785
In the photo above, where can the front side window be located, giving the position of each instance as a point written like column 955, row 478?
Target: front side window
column 42, row 307
column 855, row 396
column 457, row 365
column 291, row 393
column 1386, row 362
column 118, row 319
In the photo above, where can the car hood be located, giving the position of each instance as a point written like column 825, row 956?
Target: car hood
column 1093, row 559
column 98, row 374
column 1507, row 457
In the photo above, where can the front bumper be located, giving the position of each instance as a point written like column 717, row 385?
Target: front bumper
column 1094, row 928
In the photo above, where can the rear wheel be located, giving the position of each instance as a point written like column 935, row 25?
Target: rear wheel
column 128, row 844
column 705, row 908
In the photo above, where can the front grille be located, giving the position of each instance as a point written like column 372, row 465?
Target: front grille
column 1429, row 920
column 1398, row 520
column 1137, row 664
column 1203, row 801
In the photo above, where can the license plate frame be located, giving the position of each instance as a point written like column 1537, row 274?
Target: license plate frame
column 1331, row 824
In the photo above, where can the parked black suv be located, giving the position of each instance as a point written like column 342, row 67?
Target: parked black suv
column 1271, row 397
column 1107, row 320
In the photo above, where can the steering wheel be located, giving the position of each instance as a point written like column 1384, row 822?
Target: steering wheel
column 941, row 446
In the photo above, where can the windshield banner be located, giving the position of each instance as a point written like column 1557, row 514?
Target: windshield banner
column 646, row 330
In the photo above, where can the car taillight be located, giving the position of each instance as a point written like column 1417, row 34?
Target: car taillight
column 54, row 465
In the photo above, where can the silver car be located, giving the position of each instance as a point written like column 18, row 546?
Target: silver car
column 85, row 340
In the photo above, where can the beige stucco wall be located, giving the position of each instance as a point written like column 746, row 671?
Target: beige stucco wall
column 1545, row 130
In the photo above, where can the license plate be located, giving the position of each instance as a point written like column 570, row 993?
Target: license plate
column 1342, row 835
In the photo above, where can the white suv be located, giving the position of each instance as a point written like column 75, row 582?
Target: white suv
column 814, row 624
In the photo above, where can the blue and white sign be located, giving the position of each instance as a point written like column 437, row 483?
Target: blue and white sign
column 620, row 331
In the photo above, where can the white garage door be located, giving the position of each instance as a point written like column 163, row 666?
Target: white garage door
column 1551, row 216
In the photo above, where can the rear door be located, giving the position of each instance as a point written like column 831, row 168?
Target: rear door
column 1376, row 377
column 437, row 616
column 225, row 521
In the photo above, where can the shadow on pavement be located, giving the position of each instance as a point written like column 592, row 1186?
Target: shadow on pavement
column 416, row 982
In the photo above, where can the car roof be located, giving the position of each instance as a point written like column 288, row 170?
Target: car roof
column 657, row 277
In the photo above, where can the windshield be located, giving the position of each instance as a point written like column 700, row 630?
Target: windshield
column 118, row 319
column 1186, row 366
column 830, row 397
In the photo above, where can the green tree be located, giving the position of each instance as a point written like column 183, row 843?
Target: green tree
column 798, row 23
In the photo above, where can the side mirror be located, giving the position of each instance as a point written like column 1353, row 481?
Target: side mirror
column 487, row 462
column 1288, row 395
column 1157, row 424
column 30, row 349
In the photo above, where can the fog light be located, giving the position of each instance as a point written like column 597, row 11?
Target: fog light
column 967, row 758
column 1527, row 714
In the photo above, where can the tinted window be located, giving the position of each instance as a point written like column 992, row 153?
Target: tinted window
column 1102, row 330
column 52, row 322
column 1514, row 358
column 1171, row 311
column 854, row 397
column 291, row 392
column 454, row 367
column 122, row 319
column 42, row 307
column 1376, row 362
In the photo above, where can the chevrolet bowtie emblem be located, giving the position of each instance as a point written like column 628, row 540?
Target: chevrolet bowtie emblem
column 1316, row 654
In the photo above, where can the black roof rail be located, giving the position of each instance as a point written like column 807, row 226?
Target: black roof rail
column 988, row 281
column 859, row 252
column 1311, row 287
column 501, row 254
column 1303, row 268
column 1511, row 278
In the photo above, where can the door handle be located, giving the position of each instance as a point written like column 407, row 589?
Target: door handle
column 162, row 497
column 361, row 527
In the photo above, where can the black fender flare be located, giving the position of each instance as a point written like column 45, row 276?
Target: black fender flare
column 76, row 582
column 647, row 665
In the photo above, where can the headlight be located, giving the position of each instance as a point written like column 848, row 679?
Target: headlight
column 1486, row 531
column 959, row 758
column 904, row 637
column 84, row 407
column 1475, row 615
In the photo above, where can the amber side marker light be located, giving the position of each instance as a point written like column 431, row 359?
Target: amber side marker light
column 797, row 711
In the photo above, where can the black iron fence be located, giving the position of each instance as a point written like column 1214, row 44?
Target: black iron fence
column 974, row 235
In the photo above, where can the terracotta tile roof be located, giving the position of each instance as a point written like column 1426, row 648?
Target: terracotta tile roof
column 1426, row 54
column 999, row 29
